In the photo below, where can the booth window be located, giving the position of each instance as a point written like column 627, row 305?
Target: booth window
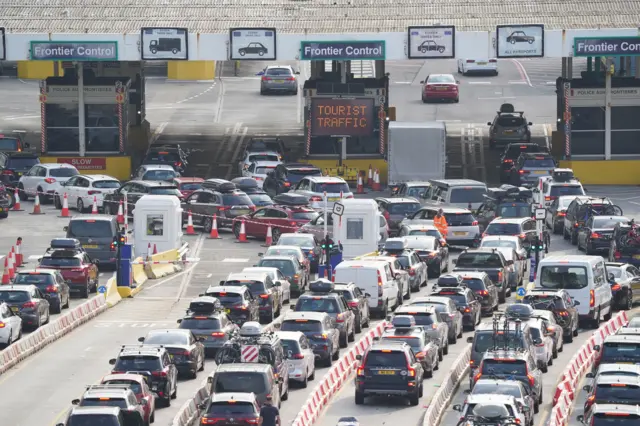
column 355, row 229
column 587, row 118
column 62, row 127
column 63, row 139
column 101, row 127
column 155, row 225
column 587, row 143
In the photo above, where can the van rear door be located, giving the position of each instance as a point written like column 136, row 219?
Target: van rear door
column 365, row 277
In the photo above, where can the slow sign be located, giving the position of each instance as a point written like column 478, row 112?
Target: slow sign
column 86, row 163
column 342, row 117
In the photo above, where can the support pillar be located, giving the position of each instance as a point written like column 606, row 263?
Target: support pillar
column 191, row 70
column 564, row 68
column 37, row 70
column 569, row 67
column 607, row 111
column 589, row 64
column 82, row 143
column 379, row 69
column 637, row 59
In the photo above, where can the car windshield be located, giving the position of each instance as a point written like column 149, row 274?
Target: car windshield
column 263, row 157
column 415, row 342
column 559, row 190
column 441, row 79
column 404, row 261
column 514, row 210
column 495, row 366
column 634, row 322
column 63, row 172
column 291, row 346
column 34, row 278
column 255, row 287
column 318, row 304
column 563, row 277
column 304, row 215
column 428, row 232
column 544, row 302
column 190, row 186
column 138, row 363
column 22, row 163
column 103, row 402
column 226, row 297
column 499, row 243
column 165, row 191
column 304, row 172
column 417, row 191
column 166, row 338
column 260, row 199
column 510, row 121
column 238, row 381
column 279, row 71
column 93, row 419
column 278, row 251
column 503, row 229
column 89, row 229
column 479, row 260
column 301, row 325
column 563, row 203
column 386, row 358
column 200, row 324
column 541, row 163
column 474, row 284
column 236, row 200
column 497, row 389
column 159, row 175
column 263, row 170
column 14, row 296
column 346, row 294
column 232, row 408
column 608, row 222
column 106, row 184
column 304, row 241
column 8, row 144
column 285, row 266
column 332, row 187
column 403, row 208
column 620, row 352
column 136, row 387
column 612, row 394
column 465, row 195
column 60, row 261
column 484, row 341
column 618, row 419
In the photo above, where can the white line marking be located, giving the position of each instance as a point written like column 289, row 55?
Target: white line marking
column 401, row 82
column 497, row 98
column 449, row 121
column 220, row 103
column 518, row 82
column 550, row 83
column 235, row 260
column 634, row 202
column 523, row 71
column 547, row 140
column 209, row 275
column 479, row 82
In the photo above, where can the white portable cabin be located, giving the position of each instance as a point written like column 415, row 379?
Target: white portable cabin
column 358, row 228
column 157, row 220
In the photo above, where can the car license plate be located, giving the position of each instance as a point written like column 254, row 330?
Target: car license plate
column 441, row 88
column 333, row 198
column 15, row 308
column 280, row 81
column 482, row 63
column 386, row 372
column 90, row 246
column 459, row 233
column 540, row 172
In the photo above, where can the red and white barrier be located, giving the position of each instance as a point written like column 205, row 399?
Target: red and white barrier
column 581, row 363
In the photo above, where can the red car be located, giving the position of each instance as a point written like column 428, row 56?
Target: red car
column 187, row 185
column 283, row 219
column 139, row 386
column 440, row 87
column 76, row 268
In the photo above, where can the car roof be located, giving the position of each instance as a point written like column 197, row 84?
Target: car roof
column 93, row 217
column 280, row 257
column 279, row 66
column 106, row 392
column 398, row 200
column 498, row 382
column 124, row 376
column 500, row 238
column 344, row 286
column 250, row 275
column 502, row 354
column 361, row 263
column 266, row 163
column 544, row 292
column 418, row 183
column 607, row 380
column 622, row 338
column 267, row 269
column 418, row 226
column 615, row 408
column 417, row 330
column 243, row 367
column 509, row 220
column 446, row 209
column 98, row 177
column 384, row 345
column 300, row 166
column 415, row 308
column 233, row 396
column 471, row 274
column 457, row 182
column 157, row 167
column 18, row 287
column 153, row 183
column 37, row 271
column 428, row 299
column 479, row 398
column 112, row 411
column 296, row 234
column 57, row 165
column 618, row 367
column 325, row 179
column 289, row 335
column 183, row 179
column 234, row 289
column 314, row 316
column 264, row 152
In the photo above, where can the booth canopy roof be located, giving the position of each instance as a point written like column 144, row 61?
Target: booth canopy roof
column 311, row 16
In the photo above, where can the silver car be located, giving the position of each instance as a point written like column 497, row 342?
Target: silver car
column 279, row 78
column 299, row 356
column 447, row 311
column 462, row 227
column 530, row 167
column 426, row 317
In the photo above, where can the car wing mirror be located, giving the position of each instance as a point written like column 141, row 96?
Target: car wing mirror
column 596, row 348
column 586, row 388
column 179, row 321
column 359, row 357
column 470, row 339
column 530, row 123
column 297, row 72
column 590, row 375
column 65, row 229
column 222, row 282
column 202, row 406
column 75, row 402
column 576, row 302
column 141, row 339
column 112, row 361
column 454, row 261
column 367, row 295
column 525, row 409
column 488, row 123
column 457, row 407
column 292, row 307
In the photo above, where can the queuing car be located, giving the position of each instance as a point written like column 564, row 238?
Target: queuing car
column 395, row 210
column 83, row 190
column 239, row 303
column 611, row 415
column 186, row 350
column 156, row 172
column 309, row 245
column 207, row 320
column 511, row 243
column 281, row 250
column 172, row 155
column 250, row 187
column 109, row 415
column 561, row 304
column 300, row 357
column 545, row 348
column 357, row 301
column 250, row 157
column 508, row 126
column 275, row 78
column 225, row 408
column 259, row 170
column 553, row 328
column 415, row 189
column 187, row 185
column 489, row 260
column 410, row 261
column 291, row 268
column 44, row 180
column 483, row 287
column 523, row 228
column 431, row 252
column 281, row 219
column 410, row 228
column 596, row 234
column 78, row 270
column 446, row 310
column 140, row 388
column 468, row 66
column 506, row 202
column 255, row 377
column 511, row 388
column 462, row 227
column 622, row 390
column 51, row 284
column 263, row 143
column 560, row 184
column 111, row 396
column 511, row 153
column 11, row 330
column 466, row 302
column 427, row 317
column 134, row 190
column 557, row 210
column 319, row 328
column 263, row 288
column 626, row 285
column 440, row 87
column 287, row 175
column 399, row 273
column 315, row 188
column 506, row 405
column 529, row 167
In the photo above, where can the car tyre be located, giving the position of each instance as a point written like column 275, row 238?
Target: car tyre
column 56, row 202
column 440, row 354
column 207, row 223
column 22, row 192
column 453, row 340
column 629, row 302
column 57, row 309
column 414, row 399
column 84, row 293
column 303, row 384
column 336, row 355
column 574, row 238
column 456, row 100
column 358, row 324
column 445, row 351
column 352, row 336
column 428, row 374
column 275, row 234
column 43, row 197
column 286, row 395
column 359, row 398
column 343, row 341
column 236, row 229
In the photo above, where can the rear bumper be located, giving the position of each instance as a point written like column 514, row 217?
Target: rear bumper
column 600, row 245
column 107, row 257
column 382, row 390
column 441, row 95
column 491, row 67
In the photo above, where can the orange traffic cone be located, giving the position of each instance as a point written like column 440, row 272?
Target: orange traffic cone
column 10, row 267
column 370, row 178
column 94, row 207
column 376, row 181
column 19, row 259
column 214, row 229
column 36, row 206
column 5, row 272
column 65, row 207
column 16, row 205
column 190, row 230
column 268, row 241
column 120, row 217
column 242, row 236
column 155, row 249
column 360, row 187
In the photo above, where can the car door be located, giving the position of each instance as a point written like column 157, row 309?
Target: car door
column 69, row 189
column 256, row 222
column 81, row 191
column 303, row 187
column 201, row 206
column 634, row 282
column 9, row 318
column 529, row 228
column 309, row 357
column 63, row 287
column 548, row 338
column 551, row 212
column 136, row 191
column 41, row 174
column 41, row 302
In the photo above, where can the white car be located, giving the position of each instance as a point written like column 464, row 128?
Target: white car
column 259, row 170
column 157, row 172
column 507, row 401
column 11, row 329
column 554, row 328
column 45, row 180
column 397, row 270
column 552, row 190
column 543, row 342
column 276, row 275
column 82, row 189
column 258, row 156
column 299, row 355
column 478, row 65
column 509, row 241
column 314, row 188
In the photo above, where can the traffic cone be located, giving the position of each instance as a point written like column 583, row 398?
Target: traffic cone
column 36, row 206
column 94, row 207
column 10, row 267
column 16, row 206
column 360, row 187
column 19, row 260
column 5, row 272
column 190, row 230
column 214, row 229
column 242, row 237
column 120, row 217
column 376, row 181
column 370, row 178
column 65, row 207
column 268, row 241
column 155, row 249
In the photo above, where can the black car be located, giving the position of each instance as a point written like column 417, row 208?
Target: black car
column 230, row 409
column 285, row 176
column 238, row 301
column 389, row 369
column 321, row 331
column 466, row 302
column 489, row 260
column 505, row 202
column 597, row 232
column 511, row 153
column 186, row 350
column 508, row 126
column 431, row 252
column 171, row 155
column 12, row 166
column 28, row 302
column 581, row 209
column 153, row 362
column 50, row 283
column 135, row 189
column 484, row 289
column 561, row 304
column 357, row 301
column 262, row 288
column 262, row 143
column 206, row 319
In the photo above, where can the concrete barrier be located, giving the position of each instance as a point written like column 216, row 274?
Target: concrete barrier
column 170, row 264
column 139, row 275
column 112, row 295
column 448, row 388
column 47, row 334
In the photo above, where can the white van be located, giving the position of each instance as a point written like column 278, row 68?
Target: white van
column 374, row 278
column 586, row 280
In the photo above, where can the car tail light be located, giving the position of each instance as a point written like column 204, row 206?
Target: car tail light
column 386, row 215
column 258, row 178
column 509, row 161
column 616, row 287
column 287, row 184
column 298, row 356
column 595, row 235
column 532, row 380
column 617, row 255
column 470, row 61
column 592, row 298
column 477, row 377
column 315, row 198
column 575, row 225
column 471, row 363
column 217, row 334
column 493, row 61
column 379, row 285
column 412, row 272
column 159, row 374
column 429, row 87
column 563, row 313
column 7, row 172
column 412, row 371
column 291, row 79
column 178, row 164
column 323, row 336
column 253, row 421
column 517, row 421
column 223, row 208
column 452, row 316
column 77, row 270
column 474, row 223
column 94, row 192
column 51, row 289
column 483, row 292
column 521, row 172
column 523, row 236
column 360, row 371
column 113, row 246
column 499, row 275
column 211, row 420
column 348, row 197
column 353, row 304
column 2, row 325
column 264, row 296
column 561, row 214
column 29, row 305
column 50, row 180
column 467, row 310
column 184, row 353
column 340, row 318
column 265, row 78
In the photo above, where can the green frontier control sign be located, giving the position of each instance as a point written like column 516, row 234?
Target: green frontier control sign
column 354, row 50
column 74, row 51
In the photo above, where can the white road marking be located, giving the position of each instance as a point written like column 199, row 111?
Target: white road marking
column 235, row 260
column 479, row 82
column 523, row 71
column 634, row 202
column 497, row 98
column 550, row 83
column 220, row 103
column 401, row 82
column 518, row 82
column 547, row 139
column 209, row 275
column 208, row 89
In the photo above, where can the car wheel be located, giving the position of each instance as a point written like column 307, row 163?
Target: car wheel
column 358, row 324
column 336, row 355
column 629, row 302
column 544, row 368
column 595, row 323
column 207, row 224
column 440, row 354
column 303, row 385
column 343, row 341
column 57, row 309
column 359, row 398
column 569, row 338
column 457, row 100
column 574, row 238
column 275, row 235
column 22, row 193
column 414, row 399
column 454, row 339
column 445, row 351
column 56, row 202
column 236, row 229
column 43, row 197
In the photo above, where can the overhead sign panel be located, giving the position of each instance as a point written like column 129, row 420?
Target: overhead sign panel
column 252, row 44
column 160, row 44
column 606, row 46
column 371, row 50
column 74, row 51
column 520, row 41
column 432, row 42
column 342, row 116
column 3, row 45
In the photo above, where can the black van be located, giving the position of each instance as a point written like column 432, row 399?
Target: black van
column 96, row 233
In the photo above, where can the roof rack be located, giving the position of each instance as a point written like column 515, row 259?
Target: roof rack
column 142, row 348
column 107, row 386
column 245, row 183
column 503, row 344
column 287, row 199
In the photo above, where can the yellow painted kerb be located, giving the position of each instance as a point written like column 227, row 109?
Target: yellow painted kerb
column 605, row 172
column 35, row 70
column 191, row 70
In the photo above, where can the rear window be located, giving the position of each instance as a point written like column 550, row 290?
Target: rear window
column 543, row 302
column 225, row 297
column 264, row 170
column 14, row 296
column 402, row 208
column 620, row 352
column 191, row 186
column 304, row 172
column 291, row 345
column 263, row 157
column 279, row 71
column 164, row 338
column 138, row 363
column 458, row 299
column 494, row 366
column 8, row 144
column 229, row 409
column 93, row 420
column 417, row 191
column 238, row 381
column 616, row 271
column 164, row 191
column 301, row 325
column 514, row 210
column 159, row 175
column 278, row 251
column 468, row 195
column 304, row 241
column 615, row 419
column 63, row 172
column 34, row 279
column 284, row 266
column 103, row 402
column 394, row 359
column 135, row 386
column 404, row 261
column 260, row 199
column 459, row 219
column 441, row 79
column 90, row 229
column 428, row 232
column 474, row 284
column 162, row 157
column 346, row 294
column 563, row 277
column 236, row 200
column 608, row 222
column 612, row 394
column 22, row 163
column 318, row 304
column 332, row 187
column 60, row 261
column 497, row 228
column 499, row 243
column 423, row 244
column 255, row 287
column 510, row 121
column 421, row 318
column 542, row 163
column 106, row 184
column 304, row 215
column 515, row 150
column 200, row 324
column 479, row 260
column 484, row 340
column 413, row 341
column 502, row 389
column 559, row 190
